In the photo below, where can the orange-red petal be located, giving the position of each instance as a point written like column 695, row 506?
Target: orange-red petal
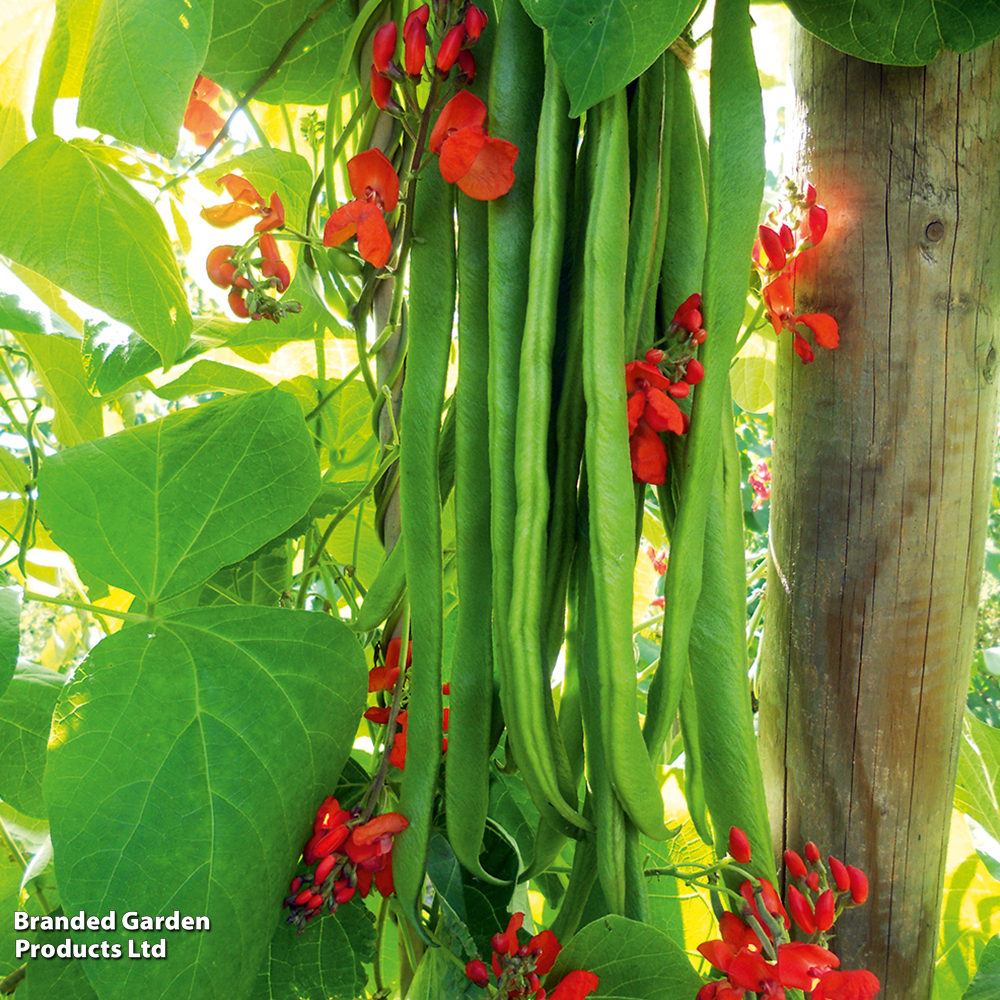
column 464, row 110
column 240, row 189
column 649, row 455
column 492, row 173
column 224, row 216
column 274, row 217
column 575, row 986
column 662, row 413
column 371, row 172
column 824, row 328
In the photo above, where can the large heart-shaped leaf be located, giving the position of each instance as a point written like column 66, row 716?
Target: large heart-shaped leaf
column 77, row 222
column 25, row 720
column 157, row 509
column 601, row 45
column 986, row 985
column 977, row 787
column 632, row 961
column 130, row 95
column 247, row 38
column 10, row 632
column 324, row 963
column 185, row 765
column 899, row 32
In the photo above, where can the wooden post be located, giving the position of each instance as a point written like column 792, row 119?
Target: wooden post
column 883, row 459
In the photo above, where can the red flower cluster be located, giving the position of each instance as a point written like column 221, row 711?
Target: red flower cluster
column 456, row 40
column 375, row 187
column 518, row 967
column 800, row 226
column 755, row 952
column 223, row 272
column 200, row 118
column 349, row 855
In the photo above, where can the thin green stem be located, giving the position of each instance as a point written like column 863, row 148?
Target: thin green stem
column 125, row 616
column 752, row 327
column 289, row 127
column 646, row 622
column 309, row 565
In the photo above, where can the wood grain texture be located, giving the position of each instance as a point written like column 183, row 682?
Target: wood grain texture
column 883, row 462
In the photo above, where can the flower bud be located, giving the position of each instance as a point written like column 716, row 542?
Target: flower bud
column 840, row 874
column 500, row 944
column 859, row 884
column 679, row 389
column 381, row 87
column 810, row 194
column 654, row 356
column 695, row 372
column 812, row 880
column 237, row 304
column 795, row 864
column 477, row 972
column 825, row 910
column 475, row 21
column 787, row 238
column 811, row 852
column 315, row 903
column 345, row 895
column 324, row 868
column 817, row 223
column 449, row 48
column 739, row 845
column 384, row 47
column 467, row 65
column 296, row 884
column 801, row 911
column 303, row 897
column 770, row 243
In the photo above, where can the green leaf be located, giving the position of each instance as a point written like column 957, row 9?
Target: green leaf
column 752, row 380
column 899, row 32
column 10, row 631
column 186, row 762
column 79, row 224
column 259, row 580
column 976, row 791
column 212, row 376
column 58, row 363
column 25, row 721
column 246, row 40
column 157, row 509
column 324, row 963
column 437, row 976
column 143, row 61
column 633, row 961
column 986, row 985
column 486, row 906
column 54, row 978
column 601, row 45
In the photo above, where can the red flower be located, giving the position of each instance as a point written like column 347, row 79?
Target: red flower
column 859, row 984
column 801, row 911
column 381, row 89
column 383, row 678
column 575, row 986
column 247, row 201
column 375, row 187
column 841, row 876
column 200, row 119
column 481, row 166
column 650, row 412
column 779, row 301
column 799, row 964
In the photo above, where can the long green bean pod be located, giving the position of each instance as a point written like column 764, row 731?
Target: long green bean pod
column 532, row 724
column 736, row 177
column 467, row 786
column 732, row 781
column 432, row 309
column 647, row 222
column 611, row 497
